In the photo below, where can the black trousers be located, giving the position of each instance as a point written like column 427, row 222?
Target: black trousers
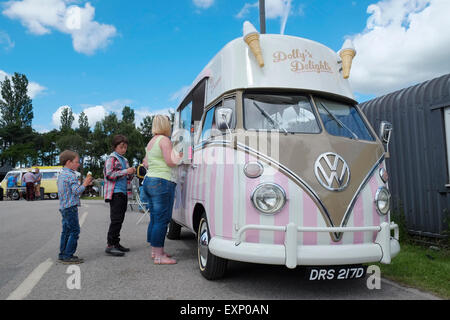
column 118, row 207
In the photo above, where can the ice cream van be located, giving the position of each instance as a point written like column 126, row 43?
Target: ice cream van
column 280, row 165
column 48, row 181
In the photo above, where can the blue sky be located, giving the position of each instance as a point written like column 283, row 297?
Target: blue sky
column 142, row 53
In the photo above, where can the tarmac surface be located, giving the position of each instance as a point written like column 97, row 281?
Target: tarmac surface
column 29, row 242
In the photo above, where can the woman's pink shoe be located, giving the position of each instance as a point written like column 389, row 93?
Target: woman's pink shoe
column 164, row 254
column 164, row 260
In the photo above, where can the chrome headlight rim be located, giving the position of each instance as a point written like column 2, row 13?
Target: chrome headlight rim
column 383, row 175
column 378, row 194
column 273, row 185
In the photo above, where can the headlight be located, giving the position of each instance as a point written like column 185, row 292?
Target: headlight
column 384, row 175
column 269, row 198
column 383, row 201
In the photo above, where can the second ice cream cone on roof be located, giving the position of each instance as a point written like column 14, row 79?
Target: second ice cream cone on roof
column 251, row 37
column 347, row 54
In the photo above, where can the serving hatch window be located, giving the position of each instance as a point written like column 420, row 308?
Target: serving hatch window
column 285, row 113
column 342, row 120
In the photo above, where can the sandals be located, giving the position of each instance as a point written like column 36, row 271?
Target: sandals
column 164, row 254
column 164, row 260
column 160, row 257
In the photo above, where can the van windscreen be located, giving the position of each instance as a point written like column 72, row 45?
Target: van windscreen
column 342, row 120
column 285, row 113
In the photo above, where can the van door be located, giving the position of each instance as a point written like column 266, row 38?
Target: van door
column 187, row 120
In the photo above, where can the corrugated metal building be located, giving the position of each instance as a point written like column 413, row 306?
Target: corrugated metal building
column 419, row 167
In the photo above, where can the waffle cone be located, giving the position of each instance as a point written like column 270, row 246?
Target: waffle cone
column 347, row 56
column 253, row 42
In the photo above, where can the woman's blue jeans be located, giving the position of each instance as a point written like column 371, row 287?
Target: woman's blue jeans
column 70, row 233
column 160, row 197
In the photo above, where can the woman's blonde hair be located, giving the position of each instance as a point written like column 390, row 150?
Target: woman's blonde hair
column 161, row 125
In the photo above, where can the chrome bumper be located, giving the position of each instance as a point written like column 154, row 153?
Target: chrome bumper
column 291, row 254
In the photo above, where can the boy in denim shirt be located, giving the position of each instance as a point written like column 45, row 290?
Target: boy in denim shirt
column 69, row 192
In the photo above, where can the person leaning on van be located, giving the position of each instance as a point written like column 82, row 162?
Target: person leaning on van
column 117, row 174
column 159, row 186
column 29, row 179
column 37, row 183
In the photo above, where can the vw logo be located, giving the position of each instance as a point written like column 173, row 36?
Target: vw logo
column 332, row 172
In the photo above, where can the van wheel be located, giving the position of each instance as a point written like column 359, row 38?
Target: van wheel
column 211, row 267
column 53, row 196
column 15, row 195
column 174, row 231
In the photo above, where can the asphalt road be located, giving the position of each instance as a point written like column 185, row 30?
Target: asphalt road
column 29, row 241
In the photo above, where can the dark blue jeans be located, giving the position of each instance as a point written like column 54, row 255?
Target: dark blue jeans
column 70, row 232
column 160, row 195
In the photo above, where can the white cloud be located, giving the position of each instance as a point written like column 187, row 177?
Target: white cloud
column 275, row 9
column 94, row 114
column 177, row 96
column 405, row 42
column 41, row 16
column 34, row 88
column 203, row 4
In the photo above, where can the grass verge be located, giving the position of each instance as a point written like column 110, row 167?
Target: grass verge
column 422, row 268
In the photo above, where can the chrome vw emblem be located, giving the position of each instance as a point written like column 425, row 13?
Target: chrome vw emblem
column 332, row 172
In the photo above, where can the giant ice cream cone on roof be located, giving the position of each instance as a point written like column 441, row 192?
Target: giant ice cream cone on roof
column 251, row 37
column 347, row 54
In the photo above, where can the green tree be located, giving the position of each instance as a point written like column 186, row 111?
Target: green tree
column 16, row 116
column 83, row 126
column 128, row 115
column 146, row 128
column 16, row 107
column 67, row 119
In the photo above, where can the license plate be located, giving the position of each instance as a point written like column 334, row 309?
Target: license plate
column 336, row 273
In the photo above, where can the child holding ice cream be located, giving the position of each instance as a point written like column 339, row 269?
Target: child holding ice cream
column 69, row 192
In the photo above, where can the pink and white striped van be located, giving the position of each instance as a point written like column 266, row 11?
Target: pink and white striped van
column 281, row 167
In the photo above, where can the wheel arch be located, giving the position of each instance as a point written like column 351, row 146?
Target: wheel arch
column 197, row 215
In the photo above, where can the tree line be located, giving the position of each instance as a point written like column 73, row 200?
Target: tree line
column 22, row 146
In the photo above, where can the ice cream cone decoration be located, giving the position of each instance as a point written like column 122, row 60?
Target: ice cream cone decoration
column 89, row 174
column 251, row 37
column 347, row 54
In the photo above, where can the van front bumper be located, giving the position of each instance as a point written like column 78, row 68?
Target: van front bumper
column 292, row 255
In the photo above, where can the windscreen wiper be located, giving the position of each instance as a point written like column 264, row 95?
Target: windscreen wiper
column 339, row 122
column 274, row 124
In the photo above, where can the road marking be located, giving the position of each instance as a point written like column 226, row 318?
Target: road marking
column 83, row 218
column 31, row 281
column 25, row 288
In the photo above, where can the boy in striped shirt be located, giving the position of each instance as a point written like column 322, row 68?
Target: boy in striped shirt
column 69, row 192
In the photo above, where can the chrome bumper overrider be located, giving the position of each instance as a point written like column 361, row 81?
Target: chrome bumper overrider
column 291, row 254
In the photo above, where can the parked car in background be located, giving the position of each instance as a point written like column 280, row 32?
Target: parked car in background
column 49, row 185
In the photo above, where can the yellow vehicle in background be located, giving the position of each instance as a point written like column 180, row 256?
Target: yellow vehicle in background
column 49, row 185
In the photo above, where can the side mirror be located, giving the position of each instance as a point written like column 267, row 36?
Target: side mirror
column 385, row 135
column 224, row 116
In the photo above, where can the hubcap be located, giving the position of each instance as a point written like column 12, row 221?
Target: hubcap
column 203, row 242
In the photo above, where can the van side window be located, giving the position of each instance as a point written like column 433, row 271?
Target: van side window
column 231, row 104
column 49, row 175
column 209, row 125
column 186, row 117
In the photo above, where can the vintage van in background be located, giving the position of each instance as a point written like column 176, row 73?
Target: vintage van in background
column 48, row 182
column 281, row 167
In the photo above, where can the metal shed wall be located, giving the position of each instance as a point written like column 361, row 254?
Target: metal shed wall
column 418, row 165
